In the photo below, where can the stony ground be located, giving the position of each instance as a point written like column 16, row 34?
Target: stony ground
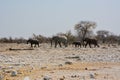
column 57, row 63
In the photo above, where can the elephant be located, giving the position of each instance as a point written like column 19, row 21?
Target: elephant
column 35, row 42
column 77, row 43
column 90, row 41
column 59, row 40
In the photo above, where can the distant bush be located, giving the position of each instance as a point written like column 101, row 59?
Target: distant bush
column 11, row 40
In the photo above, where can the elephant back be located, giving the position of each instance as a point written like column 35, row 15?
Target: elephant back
column 63, row 37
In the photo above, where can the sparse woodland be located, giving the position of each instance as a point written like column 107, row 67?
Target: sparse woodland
column 83, row 29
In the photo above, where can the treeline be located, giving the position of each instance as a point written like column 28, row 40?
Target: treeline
column 103, row 37
column 108, row 37
column 83, row 29
column 40, row 38
column 11, row 40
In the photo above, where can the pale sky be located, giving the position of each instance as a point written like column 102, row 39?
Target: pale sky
column 22, row 18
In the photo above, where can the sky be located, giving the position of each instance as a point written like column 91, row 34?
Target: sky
column 22, row 18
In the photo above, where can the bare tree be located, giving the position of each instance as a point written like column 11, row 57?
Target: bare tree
column 84, row 27
column 102, row 34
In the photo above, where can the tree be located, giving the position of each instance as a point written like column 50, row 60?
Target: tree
column 70, row 36
column 84, row 27
column 102, row 34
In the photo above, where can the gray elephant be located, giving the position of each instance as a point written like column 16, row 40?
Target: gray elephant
column 89, row 41
column 35, row 42
column 59, row 40
column 77, row 44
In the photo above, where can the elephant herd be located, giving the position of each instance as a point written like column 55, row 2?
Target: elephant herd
column 86, row 41
column 62, row 41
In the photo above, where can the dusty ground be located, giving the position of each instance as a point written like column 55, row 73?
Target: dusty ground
column 69, row 63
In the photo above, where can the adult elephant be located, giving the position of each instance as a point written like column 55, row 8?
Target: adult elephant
column 31, row 41
column 89, row 42
column 59, row 40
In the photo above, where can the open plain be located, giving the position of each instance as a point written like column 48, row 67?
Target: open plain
column 21, row 62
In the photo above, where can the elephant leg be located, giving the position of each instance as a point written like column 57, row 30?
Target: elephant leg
column 90, row 45
column 35, row 45
column 98, row 45
column 95, row 45
column 31, row 45
column 86, row 45
column 80, row 45
column 75, row 45
column 63, row 43
column 59, row 44
column 83, row 44
column 55, row 44
column 38, row 45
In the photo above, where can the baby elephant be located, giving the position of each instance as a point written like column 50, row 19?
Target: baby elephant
column 33, row 42
column 77, row 43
